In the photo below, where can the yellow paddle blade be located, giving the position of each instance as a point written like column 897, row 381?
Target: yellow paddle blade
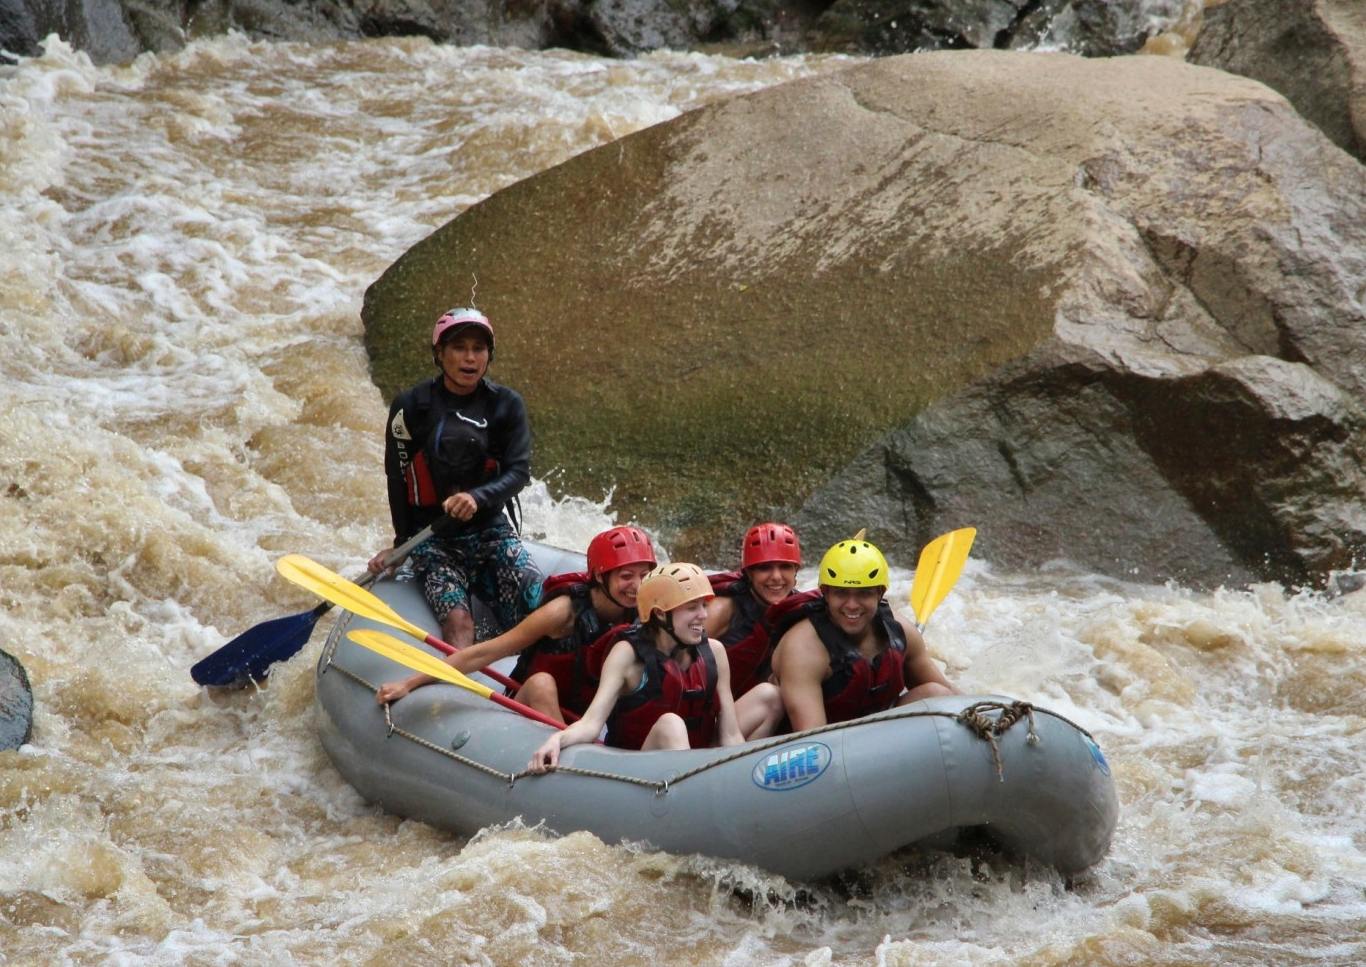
column 941, row 562
column 331, row 586
column 414, row 658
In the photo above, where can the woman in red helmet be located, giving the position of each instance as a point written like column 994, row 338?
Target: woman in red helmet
column 665, row 683
column 769, row 558
column 578, row 609
column 459, row 446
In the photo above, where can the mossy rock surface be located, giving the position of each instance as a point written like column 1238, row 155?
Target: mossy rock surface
column 1104, row 310
column 706, row 385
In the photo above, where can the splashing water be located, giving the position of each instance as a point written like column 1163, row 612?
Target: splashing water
column 183, row 246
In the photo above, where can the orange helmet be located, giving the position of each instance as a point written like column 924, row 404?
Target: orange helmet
column 669, row 586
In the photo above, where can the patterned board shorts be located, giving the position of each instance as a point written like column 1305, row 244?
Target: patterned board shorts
column 492, row 564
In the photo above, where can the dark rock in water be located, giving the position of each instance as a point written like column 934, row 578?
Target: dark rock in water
column 1311, row 51
column 1094, row 28
column 16, row 703
column 98, row 27
column 1114, row 316
column 117, row 30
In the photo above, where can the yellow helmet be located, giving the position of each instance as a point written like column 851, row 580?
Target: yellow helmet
column 854, row 564
column 671, row 585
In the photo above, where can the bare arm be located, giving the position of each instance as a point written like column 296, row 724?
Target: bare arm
column 801, row 664
column 921, row 669
column 615, row 673
column 547, row 620
column 550, row 620
column 720, row 610
column 728, row 726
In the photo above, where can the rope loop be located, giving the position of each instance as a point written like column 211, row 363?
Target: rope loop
column 987, row 729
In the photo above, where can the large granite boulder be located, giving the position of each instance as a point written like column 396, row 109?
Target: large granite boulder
column 1108, row 310
column 1312, row 51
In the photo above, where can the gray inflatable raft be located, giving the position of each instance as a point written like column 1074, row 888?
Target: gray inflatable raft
column 803, row 805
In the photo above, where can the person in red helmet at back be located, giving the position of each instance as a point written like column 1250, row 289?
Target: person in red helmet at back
column 578, row 609
column 459, row 446
column 770, row 555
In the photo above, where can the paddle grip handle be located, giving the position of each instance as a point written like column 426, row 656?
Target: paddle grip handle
column 400, row 553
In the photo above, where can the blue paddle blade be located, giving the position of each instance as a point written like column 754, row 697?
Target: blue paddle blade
column 250, row 655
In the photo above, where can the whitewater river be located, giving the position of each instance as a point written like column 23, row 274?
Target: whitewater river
column 184, row 397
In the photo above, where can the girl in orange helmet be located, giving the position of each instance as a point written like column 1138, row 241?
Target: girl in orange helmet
column 665, row 684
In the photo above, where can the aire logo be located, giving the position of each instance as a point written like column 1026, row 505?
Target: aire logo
column 793, row 766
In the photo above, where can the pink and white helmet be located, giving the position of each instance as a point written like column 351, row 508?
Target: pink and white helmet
column 458, row 319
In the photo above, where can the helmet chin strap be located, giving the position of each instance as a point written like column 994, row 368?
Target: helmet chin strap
column 602, row 586
column 668, row 629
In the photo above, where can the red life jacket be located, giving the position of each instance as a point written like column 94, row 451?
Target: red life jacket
column 856, row 686
column 564, row 658
column 664, row 687
column 749, row 647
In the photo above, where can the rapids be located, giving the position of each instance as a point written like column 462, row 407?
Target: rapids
column 184, row 243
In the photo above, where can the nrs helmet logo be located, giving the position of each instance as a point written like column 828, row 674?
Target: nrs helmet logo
column 793, row 767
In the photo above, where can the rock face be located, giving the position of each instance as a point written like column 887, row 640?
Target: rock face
column 99, row 27
column 1115, row 316
column 1088, row 27
column 1312, row 51
column 16, row 704
column 117, row 30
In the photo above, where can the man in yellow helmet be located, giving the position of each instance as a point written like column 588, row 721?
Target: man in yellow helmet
column 841, row 651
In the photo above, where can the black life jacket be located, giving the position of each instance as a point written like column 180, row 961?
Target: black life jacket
column 666, row 687
column 564, row 658
column 856, row 686
column 451, row 444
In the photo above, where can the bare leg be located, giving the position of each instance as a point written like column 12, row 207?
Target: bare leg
column 669, row 732
column 457, row 628
column 759, row 711
column 541, row 693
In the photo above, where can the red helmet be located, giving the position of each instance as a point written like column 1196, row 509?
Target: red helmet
column 765, row 543
column 619, row 547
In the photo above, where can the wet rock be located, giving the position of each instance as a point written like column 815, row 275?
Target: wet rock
column 1094, row 28
column 99, row 27
column 117, row 30
column 16, row 703
column 1312, row 51
column 1114, row 317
